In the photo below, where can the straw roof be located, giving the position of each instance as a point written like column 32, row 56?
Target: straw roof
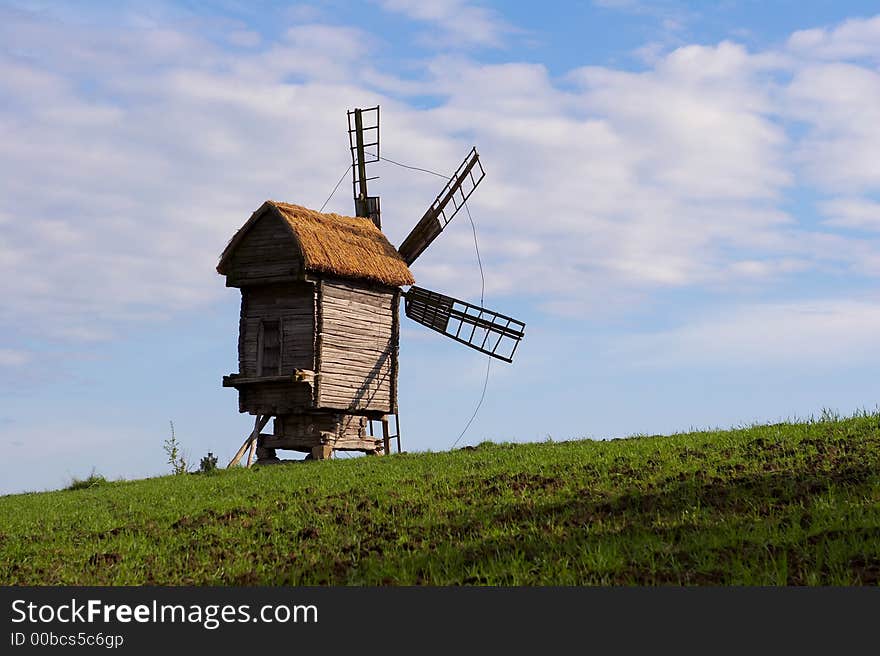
column 346, row 246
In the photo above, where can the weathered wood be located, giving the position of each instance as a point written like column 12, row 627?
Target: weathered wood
column 395, row 354
column 267, row 251
column 350, row 289
column 357, row 396
column 356, row 444
column 347, row 364
column 244, row 282
column 260, row 329
column 386, row 436
column 303, row 444
column 275, row 398
column 322, row 452
column 259, row 422
column 357, row 345
column 339, row 346
column 314, row 423
column 319, row 338
column 290, row 304
column 298, row 376
column 250, row 457
column 377, row 324
column 349, row 389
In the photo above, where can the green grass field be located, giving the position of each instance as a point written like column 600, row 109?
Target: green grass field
column 795, row 504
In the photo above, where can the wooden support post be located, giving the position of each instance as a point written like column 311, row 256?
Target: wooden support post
column 259, row 422
column 386, row 435
column 322, row 452
column 362, row 166
column 397, row 428
column 251, row 453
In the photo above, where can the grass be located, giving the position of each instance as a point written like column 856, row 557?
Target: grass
column 85, row 483
column 782, row 504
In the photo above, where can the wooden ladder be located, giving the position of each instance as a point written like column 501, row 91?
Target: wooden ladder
column 386, row 431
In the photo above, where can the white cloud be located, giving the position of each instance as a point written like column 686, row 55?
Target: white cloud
column 839, row 104
column 244, row 38
column 13, row 358
column 854, row 38
column 134, row 156
column 857, row 213
column 460, row 22
column 817, row 333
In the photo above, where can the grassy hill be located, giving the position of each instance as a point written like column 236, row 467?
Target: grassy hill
column 769, row 505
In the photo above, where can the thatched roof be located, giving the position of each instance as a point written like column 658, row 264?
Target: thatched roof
column 346, row 246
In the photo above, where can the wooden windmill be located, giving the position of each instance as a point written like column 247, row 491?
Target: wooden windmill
column 319, row 328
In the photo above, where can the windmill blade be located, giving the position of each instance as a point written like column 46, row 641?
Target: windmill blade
column 363, row 133
column 483, row 330
column 459, row 188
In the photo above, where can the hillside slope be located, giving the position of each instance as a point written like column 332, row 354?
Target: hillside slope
column 779, row 504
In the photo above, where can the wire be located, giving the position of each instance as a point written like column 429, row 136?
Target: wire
column 336, row 187
column 477, row 248
column 479, row 403
column 413, row 168
column 488, row 357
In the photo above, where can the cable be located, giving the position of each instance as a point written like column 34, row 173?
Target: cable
column 477, row 248
column 413, row 168
column 479, row 403
column 488, row 357
column 336, row 187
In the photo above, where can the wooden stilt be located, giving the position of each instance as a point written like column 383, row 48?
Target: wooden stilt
column 250, row 458
column 259, row 422
column 386, row 435
column 397, row 429
column 322, row 452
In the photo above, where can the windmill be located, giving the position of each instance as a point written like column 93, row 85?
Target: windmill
column 319, row 328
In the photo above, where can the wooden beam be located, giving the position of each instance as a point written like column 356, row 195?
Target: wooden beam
column 361, row 165
column 259, row 422
column 298, row 376
column 386, row 435
column 250, row 458
column 322, row 452
column 306, row 443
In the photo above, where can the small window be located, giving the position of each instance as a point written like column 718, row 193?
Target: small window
column 269, row 349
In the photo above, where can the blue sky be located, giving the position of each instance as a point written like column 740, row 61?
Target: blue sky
column 682, row 201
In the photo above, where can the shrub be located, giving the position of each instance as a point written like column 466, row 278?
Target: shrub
column 208, row 463
column 93, row 480
column 176, row 458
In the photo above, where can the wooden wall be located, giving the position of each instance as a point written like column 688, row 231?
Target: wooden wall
column 303, row 432
column 356, row 346
column 274, row 398
column 267, row 253
column 291, row 303
column 340, row 425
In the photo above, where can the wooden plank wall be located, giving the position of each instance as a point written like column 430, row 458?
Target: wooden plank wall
column 274, row 398
column 313, row 424
column 294, row 305
column 303, row 432
column 267, row 253
column 358, row 352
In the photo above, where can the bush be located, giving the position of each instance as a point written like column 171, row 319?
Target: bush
column 93, row 480
column 208, row 463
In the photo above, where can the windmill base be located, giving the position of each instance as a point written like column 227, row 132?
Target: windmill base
column 318, row 435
